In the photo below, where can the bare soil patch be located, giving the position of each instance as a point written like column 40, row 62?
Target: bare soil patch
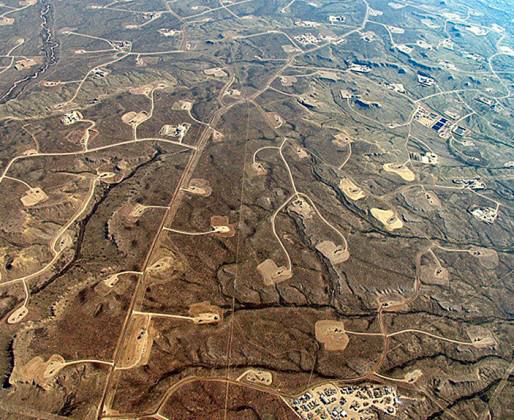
column 331, row 334
column 273, row 274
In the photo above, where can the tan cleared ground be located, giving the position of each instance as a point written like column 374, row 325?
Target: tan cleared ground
column 217, row 136
column 301, row 152
column 205, row 313
column 147, row 89
column 6, row 21
column 199, row 186
column 273, row 274
column 141, row 90
column 257, row 376
column 302, row 208
column 401, row 170
column 342, row 140
column 161, row 264
column 134, row 118
column 388, row 218
column 392, row 302
column 331, row 334
column 413, row 376
column 349, row 189
column 433, row 274
column 481, row 337
column 215, row 71
column 33, row 196
column 65, row 241
column 29, row 152
column 433, row 199
column 223, row 228
column 26, row 63
column 137, row 211
column 288, row 81
column 105, row 287
column 108, row 177
column 38, row 371
column 17, row 315
column 182, row 105
column 136, row 351
column 258, row 169
column 488, row 258
column 329, row 75
column 336, row 254
column 275, row 120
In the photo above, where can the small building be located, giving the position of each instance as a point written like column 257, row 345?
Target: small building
column 336, row 19
column 460, row 131
column 485, row 100
column 100, row 72
column 429, row 158
column 71, row 117
column 426, row 81
column 359, row 68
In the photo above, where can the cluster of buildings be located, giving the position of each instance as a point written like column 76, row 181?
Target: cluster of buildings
column 360, row 68
column 491, row 103
column 24, row 63
column 336, row 19
column 311, row 39
column 122, row 45
column 307, row 39
column 99, row 72
column 179, row 130
column 307, row 24
column 437, row 122
column 426, row 81
column 485, row 214
column 475, row 57
column 168, row 32
column 471, row 183
column 368, row 36
column 395, row 87
column 71, row 117
column 429, row 158
column 447, row 43
column 332, row 402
